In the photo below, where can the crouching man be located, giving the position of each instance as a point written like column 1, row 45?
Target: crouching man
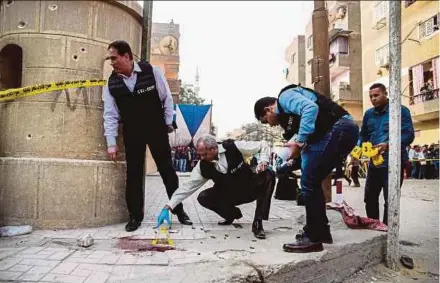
column 234, row 181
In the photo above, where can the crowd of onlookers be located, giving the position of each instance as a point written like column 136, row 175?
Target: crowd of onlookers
column 184, row 158
column 423, row 162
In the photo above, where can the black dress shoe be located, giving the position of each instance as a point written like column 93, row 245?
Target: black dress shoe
column 303, row 245
column 325, row 237
column 225, row 222
column 184, row 218
column 257, row 229
column 132, row 225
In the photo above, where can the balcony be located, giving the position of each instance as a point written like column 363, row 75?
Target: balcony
column 339, row 63
column 343, row 93
column 425, row 106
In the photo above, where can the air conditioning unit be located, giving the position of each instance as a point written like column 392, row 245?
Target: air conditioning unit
column 341, row 26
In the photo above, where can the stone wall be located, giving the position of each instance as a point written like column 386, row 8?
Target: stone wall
column 53, row 164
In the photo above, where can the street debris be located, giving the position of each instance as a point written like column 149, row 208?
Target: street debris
column 407, row 261
column 10, row 231
column 85, row 241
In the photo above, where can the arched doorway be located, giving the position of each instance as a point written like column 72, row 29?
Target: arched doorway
column 11, row 66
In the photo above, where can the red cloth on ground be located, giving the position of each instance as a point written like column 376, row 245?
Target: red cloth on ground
column 353, row 220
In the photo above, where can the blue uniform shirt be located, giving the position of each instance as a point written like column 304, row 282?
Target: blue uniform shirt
column 301, row 102
column 375, row 129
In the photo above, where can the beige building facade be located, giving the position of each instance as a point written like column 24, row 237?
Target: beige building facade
column 345, row 58
column 420, row 60
column 295, row 56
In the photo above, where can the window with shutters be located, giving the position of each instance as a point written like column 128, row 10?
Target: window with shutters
column 380, row 11
column 339, row 45
column 428, row 27
column 381, row 57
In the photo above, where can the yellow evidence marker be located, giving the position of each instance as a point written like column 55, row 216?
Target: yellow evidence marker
column 377, row 159
column 356, row 152
column 368, row 150
column 163, row 237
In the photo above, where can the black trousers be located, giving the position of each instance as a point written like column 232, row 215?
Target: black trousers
column 354, row 174
column 224, row 200
column 377, row 179
column 340, row 173
column 135, row 147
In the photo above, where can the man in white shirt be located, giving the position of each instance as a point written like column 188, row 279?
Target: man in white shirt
column 138, row 96
column 234, row 181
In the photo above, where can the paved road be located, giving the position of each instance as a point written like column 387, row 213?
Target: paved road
column 419, row 232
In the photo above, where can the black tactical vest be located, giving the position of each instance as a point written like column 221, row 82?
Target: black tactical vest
column 140, row 110
column 329, row 113
column 238, row 174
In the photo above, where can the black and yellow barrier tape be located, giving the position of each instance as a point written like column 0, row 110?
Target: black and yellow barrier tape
column 15, row 93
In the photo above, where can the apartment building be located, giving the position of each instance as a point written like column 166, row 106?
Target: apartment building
column 345, row 56
column 296, row 57
column 420, row 60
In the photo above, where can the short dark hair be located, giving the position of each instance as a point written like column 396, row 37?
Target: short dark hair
column 122, row 47
column 379, row 86
column 261, row 104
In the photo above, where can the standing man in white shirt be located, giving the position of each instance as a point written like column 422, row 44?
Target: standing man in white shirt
column 137, row 95
column 234, row 181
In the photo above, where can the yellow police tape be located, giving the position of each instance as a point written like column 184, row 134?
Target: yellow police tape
column 15, row 93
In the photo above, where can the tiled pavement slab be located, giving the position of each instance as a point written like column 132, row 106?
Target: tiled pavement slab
column 204, row 252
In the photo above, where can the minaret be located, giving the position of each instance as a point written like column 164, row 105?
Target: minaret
column 196, row 85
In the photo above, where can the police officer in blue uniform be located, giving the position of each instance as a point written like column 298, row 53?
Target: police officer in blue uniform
column 323, row 133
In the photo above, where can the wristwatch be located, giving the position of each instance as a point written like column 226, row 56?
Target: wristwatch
column 301, row 144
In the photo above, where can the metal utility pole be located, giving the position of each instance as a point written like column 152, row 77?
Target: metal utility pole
column 320, row 66
column 392, row 257
column 146, row 30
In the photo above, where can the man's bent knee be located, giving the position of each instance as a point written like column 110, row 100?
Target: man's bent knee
column 202, row 198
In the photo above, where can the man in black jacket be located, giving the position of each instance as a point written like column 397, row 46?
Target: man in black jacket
column 234, row 181
column 138, row 96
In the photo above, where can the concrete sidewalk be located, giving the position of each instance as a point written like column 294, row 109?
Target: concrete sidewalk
column 205, row 252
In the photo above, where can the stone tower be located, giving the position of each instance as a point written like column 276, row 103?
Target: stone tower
column 53, row 166
column 165, row 48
